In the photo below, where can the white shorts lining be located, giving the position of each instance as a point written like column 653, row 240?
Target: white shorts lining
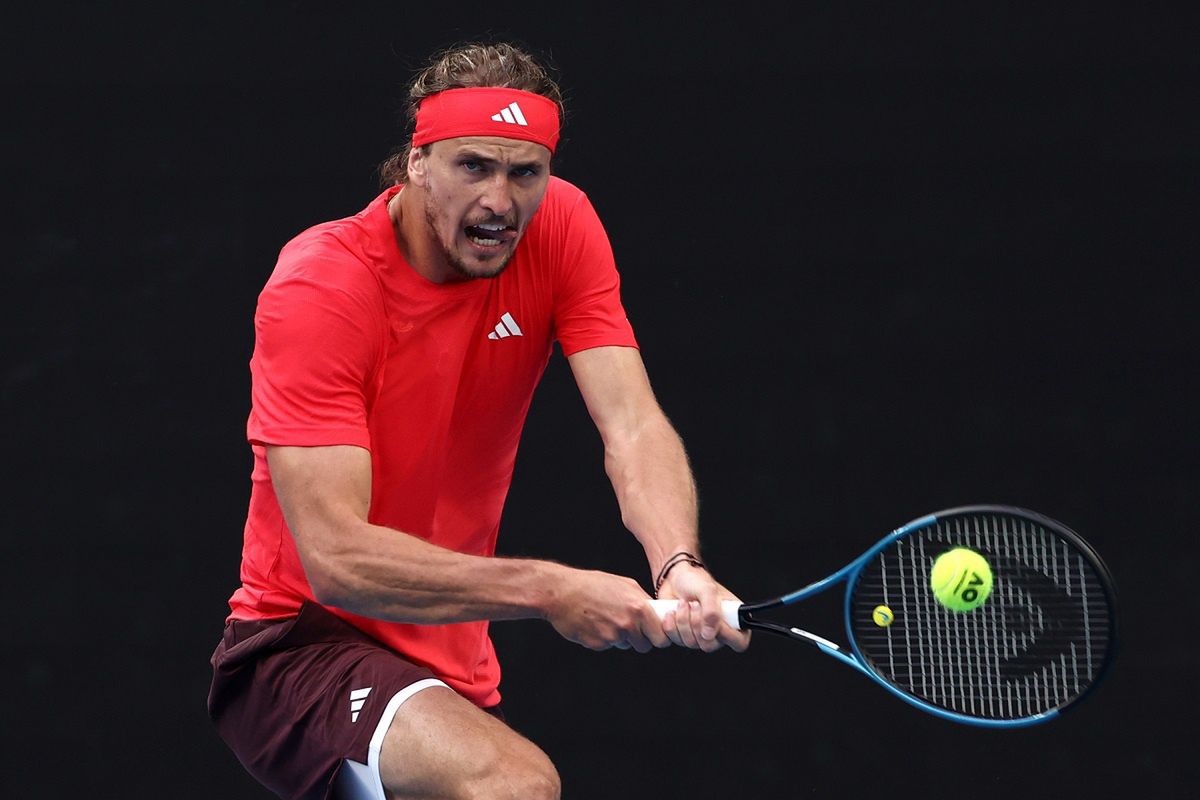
column 385, row 722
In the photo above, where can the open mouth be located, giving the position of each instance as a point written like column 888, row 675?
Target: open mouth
column 490, row 234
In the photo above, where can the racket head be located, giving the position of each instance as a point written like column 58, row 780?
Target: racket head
column 1041, row 642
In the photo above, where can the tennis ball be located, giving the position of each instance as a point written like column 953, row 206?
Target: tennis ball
column 883, row 616
column 961, row 579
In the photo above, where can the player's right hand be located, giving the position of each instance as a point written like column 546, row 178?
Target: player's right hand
column 600, row 610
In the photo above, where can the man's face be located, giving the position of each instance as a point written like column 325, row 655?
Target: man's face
column 480, row 193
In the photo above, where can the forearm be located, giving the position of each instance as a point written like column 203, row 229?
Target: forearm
column 648, row 466
column 655, row 490
column 325, row 492
column 386, row 574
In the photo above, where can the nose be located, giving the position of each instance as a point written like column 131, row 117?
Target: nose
column 497, row 195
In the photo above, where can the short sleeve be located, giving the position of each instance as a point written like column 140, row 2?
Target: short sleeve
column 587, row 310
column 317, row 341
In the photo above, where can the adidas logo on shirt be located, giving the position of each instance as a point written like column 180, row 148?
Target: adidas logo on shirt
column 510, row 114
column 358, row 699
column 507, row 326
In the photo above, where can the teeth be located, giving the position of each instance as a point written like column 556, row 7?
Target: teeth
column 478, row 233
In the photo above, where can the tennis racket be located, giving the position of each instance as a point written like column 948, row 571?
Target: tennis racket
column 1038, row 644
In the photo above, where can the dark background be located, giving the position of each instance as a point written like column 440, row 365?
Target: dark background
column 882, row 259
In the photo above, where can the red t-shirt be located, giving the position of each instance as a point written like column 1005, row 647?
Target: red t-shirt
column 353, row 347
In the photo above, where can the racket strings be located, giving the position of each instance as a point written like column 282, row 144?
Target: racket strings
column 1038, row 643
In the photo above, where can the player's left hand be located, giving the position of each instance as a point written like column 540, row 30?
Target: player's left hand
column 697, row 622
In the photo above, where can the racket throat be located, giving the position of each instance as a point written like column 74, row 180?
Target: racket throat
column 819, row 641
column 795, row 633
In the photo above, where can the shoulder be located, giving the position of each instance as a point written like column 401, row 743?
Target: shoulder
column 565, row 217
column 326, row 258
column 322, row 292
column 561, row 203
column 563, row 190
column 562, row 196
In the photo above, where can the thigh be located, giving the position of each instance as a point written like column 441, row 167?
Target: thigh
column 296, row 700
column 440, row 745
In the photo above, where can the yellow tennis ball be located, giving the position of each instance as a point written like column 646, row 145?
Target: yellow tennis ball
column 961, row 579
column 883, row 616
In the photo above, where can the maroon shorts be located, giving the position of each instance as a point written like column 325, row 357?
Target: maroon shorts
column 304, row 702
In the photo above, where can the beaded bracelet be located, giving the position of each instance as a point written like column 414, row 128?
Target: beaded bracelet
column 678, row 558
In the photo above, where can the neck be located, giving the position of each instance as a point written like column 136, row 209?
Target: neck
column 408, row 221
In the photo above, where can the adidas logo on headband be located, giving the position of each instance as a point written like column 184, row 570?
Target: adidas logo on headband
column 472, row 111
column 510, row 114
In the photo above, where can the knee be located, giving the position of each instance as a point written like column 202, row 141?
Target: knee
column 541, row 782
column 529, row 775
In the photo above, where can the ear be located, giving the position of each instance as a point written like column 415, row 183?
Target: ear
column 418, row 163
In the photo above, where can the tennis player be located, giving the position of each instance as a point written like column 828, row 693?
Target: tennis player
column 396, row 355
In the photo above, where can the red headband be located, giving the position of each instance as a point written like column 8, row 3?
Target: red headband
column 487, row 111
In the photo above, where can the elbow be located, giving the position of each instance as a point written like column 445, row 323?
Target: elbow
column 328, row 591
column 329, row 577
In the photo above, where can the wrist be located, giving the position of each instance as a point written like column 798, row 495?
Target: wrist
column 676, row 559
column 550, row 580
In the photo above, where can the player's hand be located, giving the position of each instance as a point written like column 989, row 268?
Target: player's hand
column 697, row 622
column 600, row 610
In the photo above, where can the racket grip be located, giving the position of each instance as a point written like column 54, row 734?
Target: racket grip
column 729, row 610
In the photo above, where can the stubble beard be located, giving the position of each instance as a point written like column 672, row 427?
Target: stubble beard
column 454, row 260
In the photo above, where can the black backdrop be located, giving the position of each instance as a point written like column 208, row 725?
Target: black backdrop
column 882, row 259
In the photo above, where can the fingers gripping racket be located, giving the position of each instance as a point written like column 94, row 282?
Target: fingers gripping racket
column 1018, row 653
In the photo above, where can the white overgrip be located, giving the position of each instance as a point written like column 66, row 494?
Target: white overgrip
column 729, row 610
